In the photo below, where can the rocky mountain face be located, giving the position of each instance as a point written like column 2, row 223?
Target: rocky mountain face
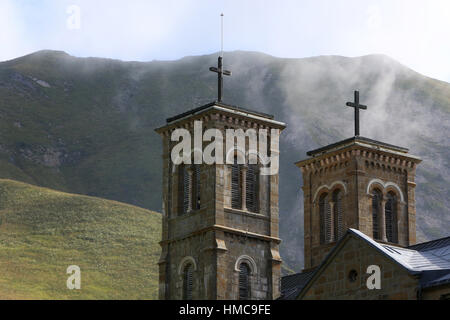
column 85, row 125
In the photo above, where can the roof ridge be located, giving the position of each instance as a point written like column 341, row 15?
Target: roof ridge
column 297, row 273
column 426, row 243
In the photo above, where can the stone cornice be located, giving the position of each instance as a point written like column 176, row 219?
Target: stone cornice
column 222, row 114
column 364, row 151
column 217, row 227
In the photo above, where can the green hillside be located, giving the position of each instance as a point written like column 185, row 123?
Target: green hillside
column 43, row 231
column 85, row 125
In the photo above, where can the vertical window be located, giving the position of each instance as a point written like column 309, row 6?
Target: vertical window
column 338, row 214
column 244, row 282
column 187, row 282
column 252, row 188
column 376, row 206
column 196, row 192
column 236, row 197
column 391, row 217
column 325, row 219
column 184, row 191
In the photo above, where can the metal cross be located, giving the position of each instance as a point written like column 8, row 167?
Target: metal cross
column 220, row 72
column 357, row 106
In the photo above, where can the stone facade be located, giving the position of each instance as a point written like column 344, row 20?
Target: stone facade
column 215, row 238
column 333, row 281
column 356, row 166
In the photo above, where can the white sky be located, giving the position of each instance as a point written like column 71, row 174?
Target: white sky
column 414, row 32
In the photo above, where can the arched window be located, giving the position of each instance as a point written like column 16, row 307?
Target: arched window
column 338, row 214
column 244, row 281
column 196, row 192
column 184, row 186
column 252, row 188
column 236, row 198
column 376, row 207
column 188, row 281
column 391, row 217
column 325, row 219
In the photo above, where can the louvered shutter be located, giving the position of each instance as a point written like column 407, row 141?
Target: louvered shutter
column 184, row 189
column 252, row 188
column 327, row 220
column 391, row 215
column 376, row 199
column 188, row 282
column 236, row 197
column 244, row 282
column 338, row 215
column 196, row 194
column 323, row 218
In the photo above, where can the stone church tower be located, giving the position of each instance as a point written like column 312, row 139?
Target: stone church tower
column 357, row 183
column 220, row 221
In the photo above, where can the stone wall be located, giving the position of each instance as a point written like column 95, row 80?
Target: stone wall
column 356, row 170
column 334, row 283
column 437, row 293
column 216, row 237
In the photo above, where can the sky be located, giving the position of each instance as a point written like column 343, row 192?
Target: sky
column 414, row 32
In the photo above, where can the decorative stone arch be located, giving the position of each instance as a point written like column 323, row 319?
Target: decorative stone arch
column 191, row 153
column 394, row 190
column 186, row 260
column 250, row 262
column 385, row 187
column 235, row 152
column 329, row 188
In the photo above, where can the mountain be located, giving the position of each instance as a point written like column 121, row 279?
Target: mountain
column 85, row 125
column 43, row 232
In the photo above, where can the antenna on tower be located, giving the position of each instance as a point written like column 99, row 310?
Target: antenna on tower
column 221, row 35
column 219, row 70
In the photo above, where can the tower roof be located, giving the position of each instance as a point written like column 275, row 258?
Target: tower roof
column 220, row 104
column 356, row 140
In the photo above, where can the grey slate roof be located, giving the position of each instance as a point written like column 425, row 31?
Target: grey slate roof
column 430, row 260
column 291, row 285
column 425, row 257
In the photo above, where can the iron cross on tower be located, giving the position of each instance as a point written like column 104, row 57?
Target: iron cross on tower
column 357, row 106
column 219, row 70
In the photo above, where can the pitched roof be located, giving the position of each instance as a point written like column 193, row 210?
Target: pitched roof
column 434, row 278
column 427, row 257
column 433, row 244
column 430, row 260
column 291, row 285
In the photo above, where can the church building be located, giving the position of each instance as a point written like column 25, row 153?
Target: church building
column 360, row 226
column 220, row 235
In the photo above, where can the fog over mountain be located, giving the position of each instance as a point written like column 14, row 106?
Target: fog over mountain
column 85, row 125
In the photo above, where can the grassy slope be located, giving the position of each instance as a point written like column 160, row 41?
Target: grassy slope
column 43, row 231
column 99, row 115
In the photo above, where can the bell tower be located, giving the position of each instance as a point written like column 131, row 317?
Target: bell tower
column 220, row 218
column 357, row 183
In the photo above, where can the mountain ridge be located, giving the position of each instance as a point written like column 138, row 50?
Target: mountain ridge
column 85, row 125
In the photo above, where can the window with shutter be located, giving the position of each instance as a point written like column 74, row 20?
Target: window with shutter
column 252, row 188
column 325, row 219
column 376, row 206
column 187, row 282
column 184, row 189
column 391, row 217
column 196, row 191
column 338, row 215
column 244, row 282
column 236, row 197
